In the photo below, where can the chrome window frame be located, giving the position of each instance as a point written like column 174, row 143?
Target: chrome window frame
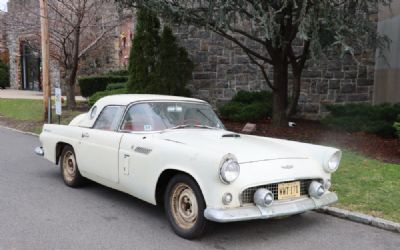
column 119, row 119
column 153, row 101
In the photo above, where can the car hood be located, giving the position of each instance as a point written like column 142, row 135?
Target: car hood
column 246, row 148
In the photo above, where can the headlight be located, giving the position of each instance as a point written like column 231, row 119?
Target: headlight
column 229, row 170
column 333, row 162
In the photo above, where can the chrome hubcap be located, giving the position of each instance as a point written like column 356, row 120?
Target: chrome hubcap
column 184, row 206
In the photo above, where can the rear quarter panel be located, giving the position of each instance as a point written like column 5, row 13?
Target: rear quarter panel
column 53, row 134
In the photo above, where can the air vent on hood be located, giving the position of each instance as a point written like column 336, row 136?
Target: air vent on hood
column 230, row 136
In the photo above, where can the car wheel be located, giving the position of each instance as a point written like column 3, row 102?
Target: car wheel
column 69, row 169
column 185, row 205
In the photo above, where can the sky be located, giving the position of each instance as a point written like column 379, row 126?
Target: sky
column 3, row 5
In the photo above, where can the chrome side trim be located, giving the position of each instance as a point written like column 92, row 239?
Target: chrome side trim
column 39, row 151
column 274, row 210
column 143, row 150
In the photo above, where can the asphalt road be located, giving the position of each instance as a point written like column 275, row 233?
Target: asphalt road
column 37, row 211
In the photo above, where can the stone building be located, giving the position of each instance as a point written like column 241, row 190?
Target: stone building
column 222, row 68
column 387, row 69
column 24, row 48
column 3, row 45
column 24, row 59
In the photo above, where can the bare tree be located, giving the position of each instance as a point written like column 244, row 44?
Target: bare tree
column 75, row 28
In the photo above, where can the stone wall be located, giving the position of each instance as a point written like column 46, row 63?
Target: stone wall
column 3, row 46
column 13, row 49
column 222, row 69
column 387, row 71
column 101, row 58
column 17, row 34
column 336, row 80
column 111, row 53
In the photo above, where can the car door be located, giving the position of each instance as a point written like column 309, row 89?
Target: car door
column 137, row 147
column 98, row 149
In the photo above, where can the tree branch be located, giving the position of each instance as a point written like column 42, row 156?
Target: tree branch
column 264, row 73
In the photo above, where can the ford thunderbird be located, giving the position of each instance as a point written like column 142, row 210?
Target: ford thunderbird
column 176, row 153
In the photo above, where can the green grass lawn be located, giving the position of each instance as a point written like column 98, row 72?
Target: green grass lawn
column 368, row 186
column 22, row 109
column 31, row 112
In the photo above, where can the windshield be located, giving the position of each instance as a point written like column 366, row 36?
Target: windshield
column 156, row 116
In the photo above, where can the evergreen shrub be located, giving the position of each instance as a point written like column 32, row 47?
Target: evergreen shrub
column 4, row 75
column 92, row 84
column 157, row 64
column 96, row 96
column 248, row 106
column 375, row 119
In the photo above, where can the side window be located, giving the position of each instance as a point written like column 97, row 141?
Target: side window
column 93, row 112
column 109, row 118
column 143, row 117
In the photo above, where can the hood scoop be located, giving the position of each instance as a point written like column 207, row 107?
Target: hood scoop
column 231, row 135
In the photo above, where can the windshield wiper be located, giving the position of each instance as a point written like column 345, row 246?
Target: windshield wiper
column 180, row 126
column 204, row 126
column 191, row 125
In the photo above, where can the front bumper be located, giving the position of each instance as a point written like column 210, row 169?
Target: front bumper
column 275, row 210
column 39, row 151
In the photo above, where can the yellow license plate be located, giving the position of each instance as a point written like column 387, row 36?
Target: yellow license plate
column 288, row 190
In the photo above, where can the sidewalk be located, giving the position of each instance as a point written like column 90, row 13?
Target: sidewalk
column 26, row 94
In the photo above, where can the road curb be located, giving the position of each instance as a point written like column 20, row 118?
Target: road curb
column 19, row 131
column 362, row 218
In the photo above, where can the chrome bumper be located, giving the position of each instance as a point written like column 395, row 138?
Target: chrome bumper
column 39, row 151
column 275, row 210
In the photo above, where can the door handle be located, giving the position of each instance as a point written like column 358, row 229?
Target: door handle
column 85, row 135
column 125, row 166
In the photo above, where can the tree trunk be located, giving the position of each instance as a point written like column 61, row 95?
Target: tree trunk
column 71, row 76
column 292, row 109
column 71, row 103
column 70, row 87
column 279, row 95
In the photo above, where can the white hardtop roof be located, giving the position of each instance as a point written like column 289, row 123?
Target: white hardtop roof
column 129, row 98
column 85, row 120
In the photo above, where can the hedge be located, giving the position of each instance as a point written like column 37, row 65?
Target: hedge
column 4, row 75
column 93, row 98
column 378, row 119
column 396, row 125
column 112, row 86
column 248, row 106
column 122, row 72
column 93, row 84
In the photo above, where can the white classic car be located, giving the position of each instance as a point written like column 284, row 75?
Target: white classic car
column 175, row 152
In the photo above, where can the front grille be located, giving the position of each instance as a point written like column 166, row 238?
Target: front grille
column 247, row 195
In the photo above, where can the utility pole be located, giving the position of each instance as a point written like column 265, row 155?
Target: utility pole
column 44, row 27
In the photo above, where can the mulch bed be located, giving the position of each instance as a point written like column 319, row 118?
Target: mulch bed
column 384, row 149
